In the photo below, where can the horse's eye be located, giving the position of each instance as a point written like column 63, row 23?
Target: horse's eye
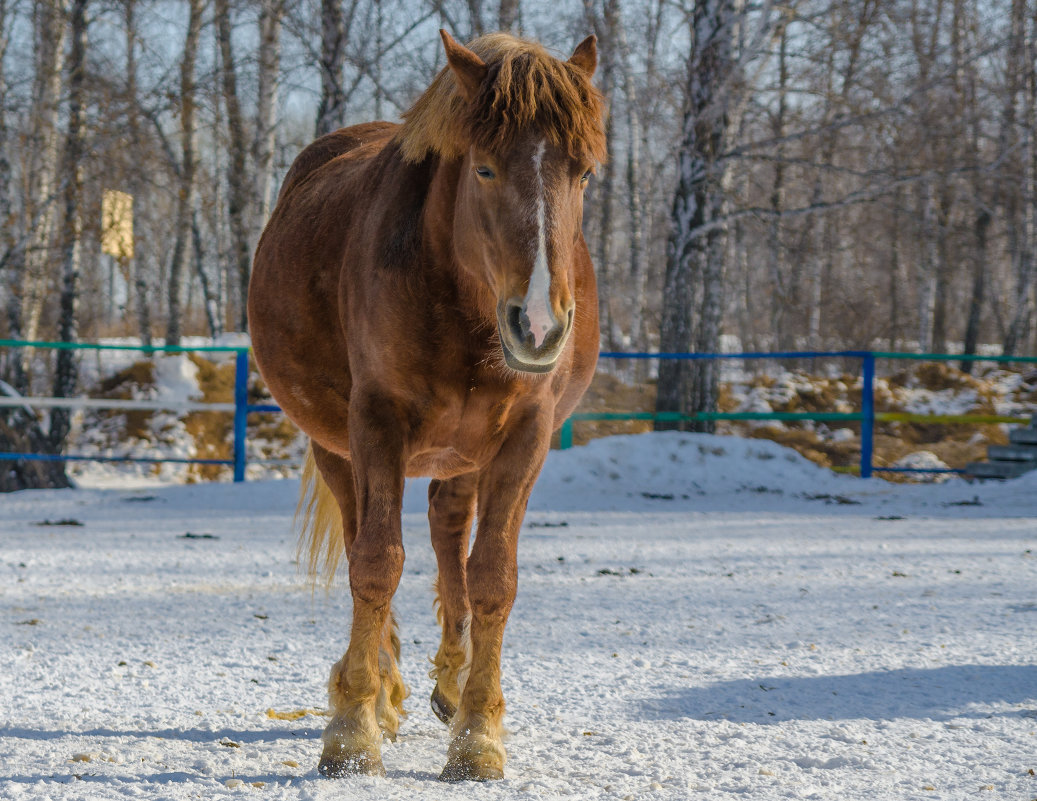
column 484, row 172
column 585, row 177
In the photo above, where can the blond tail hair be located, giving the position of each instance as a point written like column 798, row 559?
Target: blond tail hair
column 321, row 543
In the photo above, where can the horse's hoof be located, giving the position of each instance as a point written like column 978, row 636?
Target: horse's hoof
column 465, row 771
column 474, row 757
column 441, row 706
column 338, row 764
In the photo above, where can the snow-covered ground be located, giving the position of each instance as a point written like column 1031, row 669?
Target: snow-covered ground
column 698, row 617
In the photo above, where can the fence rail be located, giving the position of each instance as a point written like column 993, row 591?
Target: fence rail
column 867, row 416
column 241, row 408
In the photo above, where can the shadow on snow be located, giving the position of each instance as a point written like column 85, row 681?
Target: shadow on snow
column 942, row 694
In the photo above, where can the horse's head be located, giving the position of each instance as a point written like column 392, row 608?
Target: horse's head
column 532, row 132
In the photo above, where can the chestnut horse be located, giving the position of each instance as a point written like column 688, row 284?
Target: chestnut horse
column 423, row 304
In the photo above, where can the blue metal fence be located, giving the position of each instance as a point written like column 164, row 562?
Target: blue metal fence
column 867, row 416
column 241, row 408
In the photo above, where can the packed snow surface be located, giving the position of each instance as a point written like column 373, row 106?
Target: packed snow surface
column 698, row 617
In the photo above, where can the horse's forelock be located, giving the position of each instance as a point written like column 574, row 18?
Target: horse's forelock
column 525, row 88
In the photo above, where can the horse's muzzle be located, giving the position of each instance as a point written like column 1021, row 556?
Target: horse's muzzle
column 518, row 343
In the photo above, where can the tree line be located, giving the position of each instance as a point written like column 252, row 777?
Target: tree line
column 806, row 174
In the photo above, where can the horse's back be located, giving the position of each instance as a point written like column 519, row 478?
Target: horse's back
column 331, row 146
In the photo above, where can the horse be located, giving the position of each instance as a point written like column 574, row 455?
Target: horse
column 423, row 303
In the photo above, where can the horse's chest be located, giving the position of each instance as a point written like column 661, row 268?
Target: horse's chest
column 462, row 434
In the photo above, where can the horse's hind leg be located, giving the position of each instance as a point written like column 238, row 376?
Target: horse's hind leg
column 450, row 512
column 346, row 732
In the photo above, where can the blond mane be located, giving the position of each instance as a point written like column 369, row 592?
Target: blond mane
column 525, row 87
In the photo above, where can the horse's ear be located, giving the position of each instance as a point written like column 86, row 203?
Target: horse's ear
column 469, row 69
column 585, row 56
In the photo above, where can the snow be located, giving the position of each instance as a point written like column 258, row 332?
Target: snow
column 176, row 379
column 698, row 617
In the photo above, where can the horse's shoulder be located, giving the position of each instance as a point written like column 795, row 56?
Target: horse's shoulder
column 365, row 139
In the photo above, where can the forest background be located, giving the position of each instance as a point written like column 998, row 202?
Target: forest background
column 797, row 175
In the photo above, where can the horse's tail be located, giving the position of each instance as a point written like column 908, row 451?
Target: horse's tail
column 321, row 543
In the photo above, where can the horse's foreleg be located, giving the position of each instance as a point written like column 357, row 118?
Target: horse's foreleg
column 352, row 740
column 476, row 750
column 450, row 512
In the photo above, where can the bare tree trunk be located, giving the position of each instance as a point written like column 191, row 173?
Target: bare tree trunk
column 475, row 14
column 979, row 284
column 237, row 188
column 635, row 209
column 66, row 373
column 694, row 259
column 331, row 113
column 508, row 16
column 51, row 32
column 942, row 273
column 139, row 291
column 785, row 282
column 973, row 117
column 926, row 265
column 188, row 165
column 604, row 24
column 209, row 300
column 7, row 222
column 895, row 277
column 1021, row 201
column 264, row 144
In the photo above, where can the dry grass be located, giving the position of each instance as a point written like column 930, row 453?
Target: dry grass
column 212, row 432
column 128, row 384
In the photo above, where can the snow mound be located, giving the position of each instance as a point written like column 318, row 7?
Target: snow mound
column 639, row 470
column 176, row 379
column 924, row 460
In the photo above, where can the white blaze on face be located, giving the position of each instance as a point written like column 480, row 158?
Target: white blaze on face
column 537, row 304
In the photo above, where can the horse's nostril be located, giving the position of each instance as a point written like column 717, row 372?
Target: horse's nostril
column 518, row 326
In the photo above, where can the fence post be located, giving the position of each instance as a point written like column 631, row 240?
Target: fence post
column 867, row 413
column 565, row 435
column 240, row 412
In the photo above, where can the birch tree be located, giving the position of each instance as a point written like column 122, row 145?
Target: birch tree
column 140, row 285
column 605, row 20
column 335, row 29
column 187, row 167
column 1019, row 117
column 693, row 295
column 50, row 36
column 66, row 373
column 7, row 221
column 264, row 143
column 237, row 189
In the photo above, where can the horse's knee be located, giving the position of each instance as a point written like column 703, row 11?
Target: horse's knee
column 374, row 573
column 450, row 507
column 491, row 594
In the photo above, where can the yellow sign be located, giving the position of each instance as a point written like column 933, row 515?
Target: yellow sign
column 117, row 224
